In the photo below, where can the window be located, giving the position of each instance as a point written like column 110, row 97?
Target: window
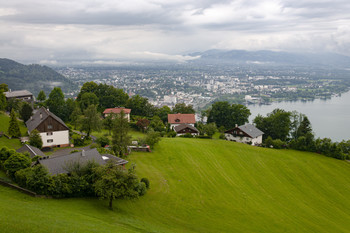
column 49, row 133
column 49, row 126
column 49, row 140
column 177, row 120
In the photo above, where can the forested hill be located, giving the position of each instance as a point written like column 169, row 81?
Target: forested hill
column 32, row 77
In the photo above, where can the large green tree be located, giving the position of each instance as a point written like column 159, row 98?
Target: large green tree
column 26, row 111
column 35, row 139
column 56, row 103
column 226, row 115
column 114, row 182
column 41, row 96
column 88, row 99
column 120, row 135
column 13, row 129
column 140, row 106
column 183, row 108
column 91, row 120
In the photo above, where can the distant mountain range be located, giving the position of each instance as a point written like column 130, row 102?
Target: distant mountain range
column 32, row 77
column 265, row 57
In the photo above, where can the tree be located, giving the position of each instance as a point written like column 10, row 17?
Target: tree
column 91, row 120
column 304, row 128
column 183, row 108
column 120, row 135
column 210, row 129
column 16, row 162
column 142, row 124
column 13, row 129
column 152, row 138
column 157, row 124
column 26, row 111
column 56, row 103
column 108, row 122
column 4, row 87
column 163, row 113
column 88, row 87
column 114, row 182
column 41, row 96
column 226, row 115
column 140, row 106
column 35, row 178
column 35, row 139
column 75, row 116
column 88, row 99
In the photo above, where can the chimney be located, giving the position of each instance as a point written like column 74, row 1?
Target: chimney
column 31, row 118
column 236, row 125
column 83, row 153
column 41, row 116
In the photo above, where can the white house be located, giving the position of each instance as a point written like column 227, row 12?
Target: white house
column 247, row 133
column 53, row 131
column 109, row 111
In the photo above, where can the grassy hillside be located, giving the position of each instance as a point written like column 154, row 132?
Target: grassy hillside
column 204, row 186
column 4, row 125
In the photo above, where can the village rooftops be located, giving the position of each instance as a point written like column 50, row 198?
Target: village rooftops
column 181, row 118
column 117, row 110
column 39, row 116
column 17, row 94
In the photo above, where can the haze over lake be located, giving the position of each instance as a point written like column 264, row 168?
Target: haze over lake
column 329, row 118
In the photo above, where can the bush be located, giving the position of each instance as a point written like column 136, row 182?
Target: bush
column 141, row 188
column 16, row 162
column 146, row 181
column 188, row 135
column 36, row 179
column 152, row 138
column 222, row 136
column 171, row 134
column 35, row 139
column 103, row 141
column 203, row 136
column 74, row 151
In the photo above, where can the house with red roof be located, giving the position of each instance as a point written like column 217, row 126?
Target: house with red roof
column 118, row 110
column 180, row 119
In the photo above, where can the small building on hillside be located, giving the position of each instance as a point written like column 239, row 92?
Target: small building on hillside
column 64, row 163
column 23, row 95
column 247, row 133
column 179, row 119
column 185, row 129
column 53, row 131
column 32, row 150
column 109, row 111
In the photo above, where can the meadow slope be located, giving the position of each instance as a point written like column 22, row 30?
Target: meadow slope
column 200, row 185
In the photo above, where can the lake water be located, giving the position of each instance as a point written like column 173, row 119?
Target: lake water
column 329, row 118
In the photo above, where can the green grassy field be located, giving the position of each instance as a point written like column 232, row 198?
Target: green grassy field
column 200, row 185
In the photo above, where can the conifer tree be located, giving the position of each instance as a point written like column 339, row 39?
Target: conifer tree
column 13, row 129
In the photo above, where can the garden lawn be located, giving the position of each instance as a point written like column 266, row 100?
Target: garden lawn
column 4, row 124
column 201, row 185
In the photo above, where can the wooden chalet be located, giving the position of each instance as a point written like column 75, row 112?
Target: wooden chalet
column 247, row 133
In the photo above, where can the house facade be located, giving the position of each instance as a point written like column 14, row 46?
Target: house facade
column 247, row 133
column 53, row 131
column 109, row 111
column 23, row 95
column 179, row 119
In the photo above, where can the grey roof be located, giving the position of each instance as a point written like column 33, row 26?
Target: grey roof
column 184, row 126
column 251, row 130
column 14, row 94
column 114, row 159
column 33, row 151
column 36, row 120
column 60, row 164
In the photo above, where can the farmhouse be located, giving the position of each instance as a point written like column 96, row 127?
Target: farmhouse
column 184, row 129
column 52, row 129
column 179, row 119
column 247, row 133
column 23, row 95
column 63, row 164
column 109, row 111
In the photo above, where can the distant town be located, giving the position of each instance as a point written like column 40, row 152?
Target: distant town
column 200, row 86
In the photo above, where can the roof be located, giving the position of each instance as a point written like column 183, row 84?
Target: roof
column 115, row 159
column 249, row 129
column 117, row 110
column 36, row 120
column 14, row 94
column 33, row 151
column 60, row 164
column 181, row 118
column 184, row 126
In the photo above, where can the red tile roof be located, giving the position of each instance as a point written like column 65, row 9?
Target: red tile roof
column 181, row 118
column 117, row 110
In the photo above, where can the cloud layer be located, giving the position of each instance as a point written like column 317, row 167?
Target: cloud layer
column 56, row 30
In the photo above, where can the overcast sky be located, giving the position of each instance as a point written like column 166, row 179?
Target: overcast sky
column 48, row 31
